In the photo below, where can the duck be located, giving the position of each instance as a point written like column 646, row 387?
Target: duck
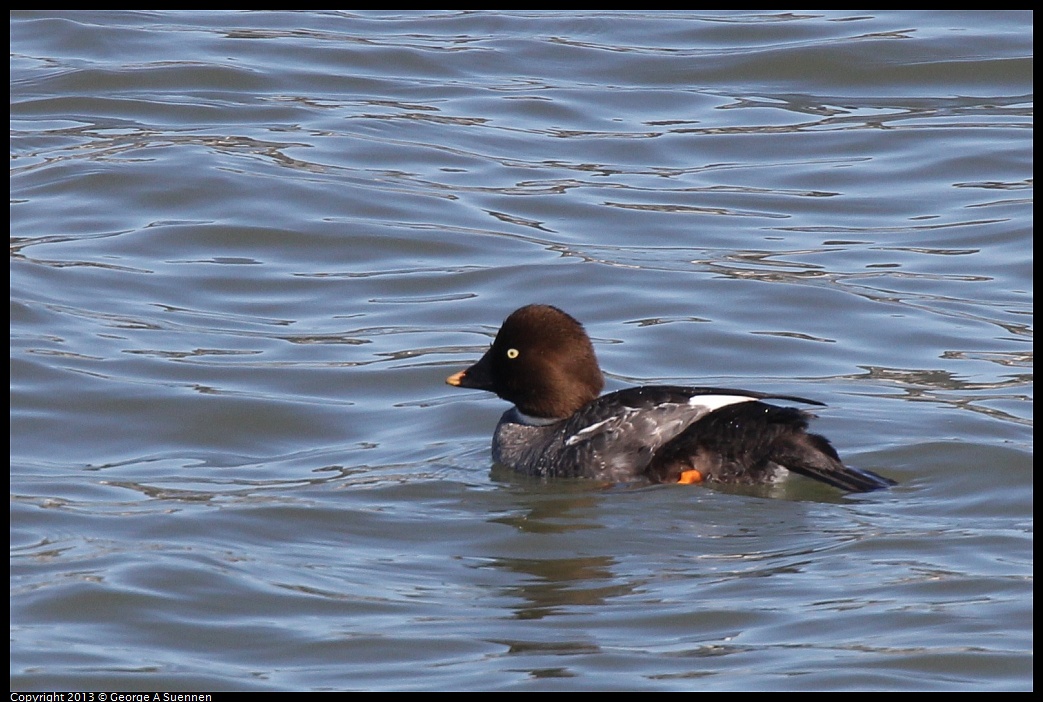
column 560, row 426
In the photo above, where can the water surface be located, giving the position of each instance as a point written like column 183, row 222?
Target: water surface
column 248, row 247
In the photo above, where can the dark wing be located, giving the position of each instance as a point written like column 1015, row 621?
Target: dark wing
column 747, row 443
column 619, row 433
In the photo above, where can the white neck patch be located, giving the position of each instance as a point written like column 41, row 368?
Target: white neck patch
column 534, row 421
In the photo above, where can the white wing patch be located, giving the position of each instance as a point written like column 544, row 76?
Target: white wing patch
column 593, row 428
column 712, row 403
column 663, row 421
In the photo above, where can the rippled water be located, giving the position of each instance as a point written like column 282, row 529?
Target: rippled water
column 248, row 247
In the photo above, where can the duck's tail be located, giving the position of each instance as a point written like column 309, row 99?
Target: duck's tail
column 813, row 456
column 747, row 443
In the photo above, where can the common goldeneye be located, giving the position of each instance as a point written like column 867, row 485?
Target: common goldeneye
column 542, row 361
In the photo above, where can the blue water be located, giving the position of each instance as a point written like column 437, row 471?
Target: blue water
column 248, row 247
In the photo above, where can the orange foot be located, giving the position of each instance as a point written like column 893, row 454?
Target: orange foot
column 688, row 477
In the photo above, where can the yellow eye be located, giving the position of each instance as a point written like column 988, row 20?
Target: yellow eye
column 512, row 353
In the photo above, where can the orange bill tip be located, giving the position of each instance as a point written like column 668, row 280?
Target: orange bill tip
column 456, row 378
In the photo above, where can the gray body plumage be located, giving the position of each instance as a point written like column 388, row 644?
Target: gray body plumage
column 613, row 438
